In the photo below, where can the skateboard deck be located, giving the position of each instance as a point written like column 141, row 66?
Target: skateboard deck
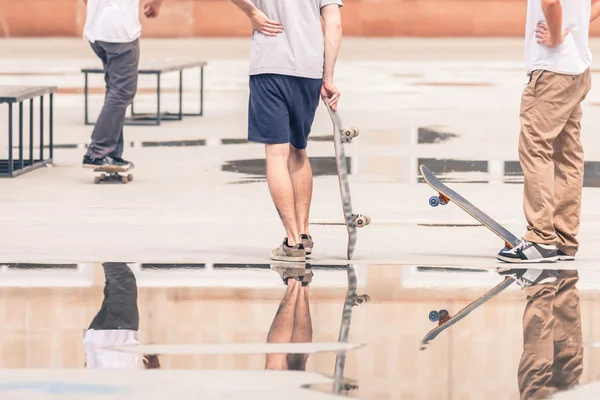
column 445, row 195
column 113, row 174
column 341, row 135
column 446, row 321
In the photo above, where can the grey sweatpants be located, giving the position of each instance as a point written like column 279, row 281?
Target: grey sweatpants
column 121, row 61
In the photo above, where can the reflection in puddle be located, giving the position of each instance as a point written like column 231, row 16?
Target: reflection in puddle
column 321, row 166
column 510, row 171
column 227, row 315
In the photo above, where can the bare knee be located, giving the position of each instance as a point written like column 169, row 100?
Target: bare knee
column 297, row 155
column 277, row 150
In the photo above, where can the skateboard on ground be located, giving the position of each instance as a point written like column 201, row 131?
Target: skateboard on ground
column 113, row 174
column 341, row 136
column 445, row 195
column 445, row 321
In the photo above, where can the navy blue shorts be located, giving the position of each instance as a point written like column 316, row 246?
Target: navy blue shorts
column 282, row 108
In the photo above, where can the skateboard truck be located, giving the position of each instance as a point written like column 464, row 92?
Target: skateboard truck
column 435, row 201
column 350, row 133
column 441, row 316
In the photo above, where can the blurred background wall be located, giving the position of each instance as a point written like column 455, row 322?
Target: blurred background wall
column 220, row 18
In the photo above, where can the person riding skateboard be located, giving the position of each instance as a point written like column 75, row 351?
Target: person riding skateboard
column 558, row 63
column 291, row 63
column 113, row 29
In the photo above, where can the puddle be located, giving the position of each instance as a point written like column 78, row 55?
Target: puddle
column 321, row 166
column 450, row 170
column 220, row 319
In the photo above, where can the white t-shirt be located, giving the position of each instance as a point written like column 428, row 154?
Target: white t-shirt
column 114, row 21
column 299, row 49
column 571, row 57
column 98, row 357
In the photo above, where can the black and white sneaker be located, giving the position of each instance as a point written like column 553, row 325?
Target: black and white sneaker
column 123, row 162
column 89, row 162
column 529, row 277
column 529, row 252
column 562, row 256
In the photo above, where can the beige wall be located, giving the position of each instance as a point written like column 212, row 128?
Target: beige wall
column 183, row 18
column 42, row 328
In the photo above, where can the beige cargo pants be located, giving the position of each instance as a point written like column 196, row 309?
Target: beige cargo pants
column 552, row 357
column 551, row 157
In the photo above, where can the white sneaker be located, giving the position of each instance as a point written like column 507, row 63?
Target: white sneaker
column 529, row 252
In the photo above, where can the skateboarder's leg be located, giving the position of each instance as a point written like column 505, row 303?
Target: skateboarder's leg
column 302, row 181
column 304, row 100
column 546, row 106
column 282, row 189
column 568, row 340
column 302, row 328
column 568, row 175
column 535, row 367
column 121, row 65
column 283, row 325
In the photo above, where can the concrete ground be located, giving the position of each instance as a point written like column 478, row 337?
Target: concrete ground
column 185, row 205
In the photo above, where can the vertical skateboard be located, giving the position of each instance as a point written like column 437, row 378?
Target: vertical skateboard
column 352, row 299
column 445, row 321
column 445, row 195
column 341, row 135
column 113, row 174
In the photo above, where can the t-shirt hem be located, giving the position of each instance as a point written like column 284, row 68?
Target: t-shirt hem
column 111, row 40
column 296, row 73
column 557, row 70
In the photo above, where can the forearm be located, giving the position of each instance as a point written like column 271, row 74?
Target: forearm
column 246, row 6
column 332, row 39
column 553, row 13
column 595, row 10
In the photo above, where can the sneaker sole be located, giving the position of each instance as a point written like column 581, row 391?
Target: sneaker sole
column 548, row 260
column 288, row 258
column 566, row 258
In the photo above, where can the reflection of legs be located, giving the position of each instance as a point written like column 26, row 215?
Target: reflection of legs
column 283, row 325
column 535, row 368
column 302, row 330
column 568, row 342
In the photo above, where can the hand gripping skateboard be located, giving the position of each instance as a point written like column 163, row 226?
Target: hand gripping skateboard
column 112, row 174
column 341, row 135
column 445, row 195
column 445, row 321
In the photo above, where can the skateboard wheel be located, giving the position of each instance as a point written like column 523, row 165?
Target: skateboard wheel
column 124, row 179
column 102, row 176
column 443, row 314
column 434, row 316
column 361, row 221
column 360, row 300
column 97, row 179
column 348, row 133
column 368, row 220
column 434, row 201
column 129, row 177
column 356, row 131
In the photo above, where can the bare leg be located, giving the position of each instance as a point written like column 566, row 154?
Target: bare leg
column 283, row 325
column 301, row 174
column 281, row 188
column 302, row 330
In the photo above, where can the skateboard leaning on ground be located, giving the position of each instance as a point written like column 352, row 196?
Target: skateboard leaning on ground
column 445, row 321
column 341, row 136
column 113, row 174
column 445, row 195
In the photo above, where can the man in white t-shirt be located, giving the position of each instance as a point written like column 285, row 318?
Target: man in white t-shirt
column 292, row 62
column 116, row 324
column 550, row 152
column 113, row 29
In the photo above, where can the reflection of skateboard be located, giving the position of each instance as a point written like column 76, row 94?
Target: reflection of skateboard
column 341, row 135
column 341, row 384
column 444, row 319
column 112, row 174
column 445, row 195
